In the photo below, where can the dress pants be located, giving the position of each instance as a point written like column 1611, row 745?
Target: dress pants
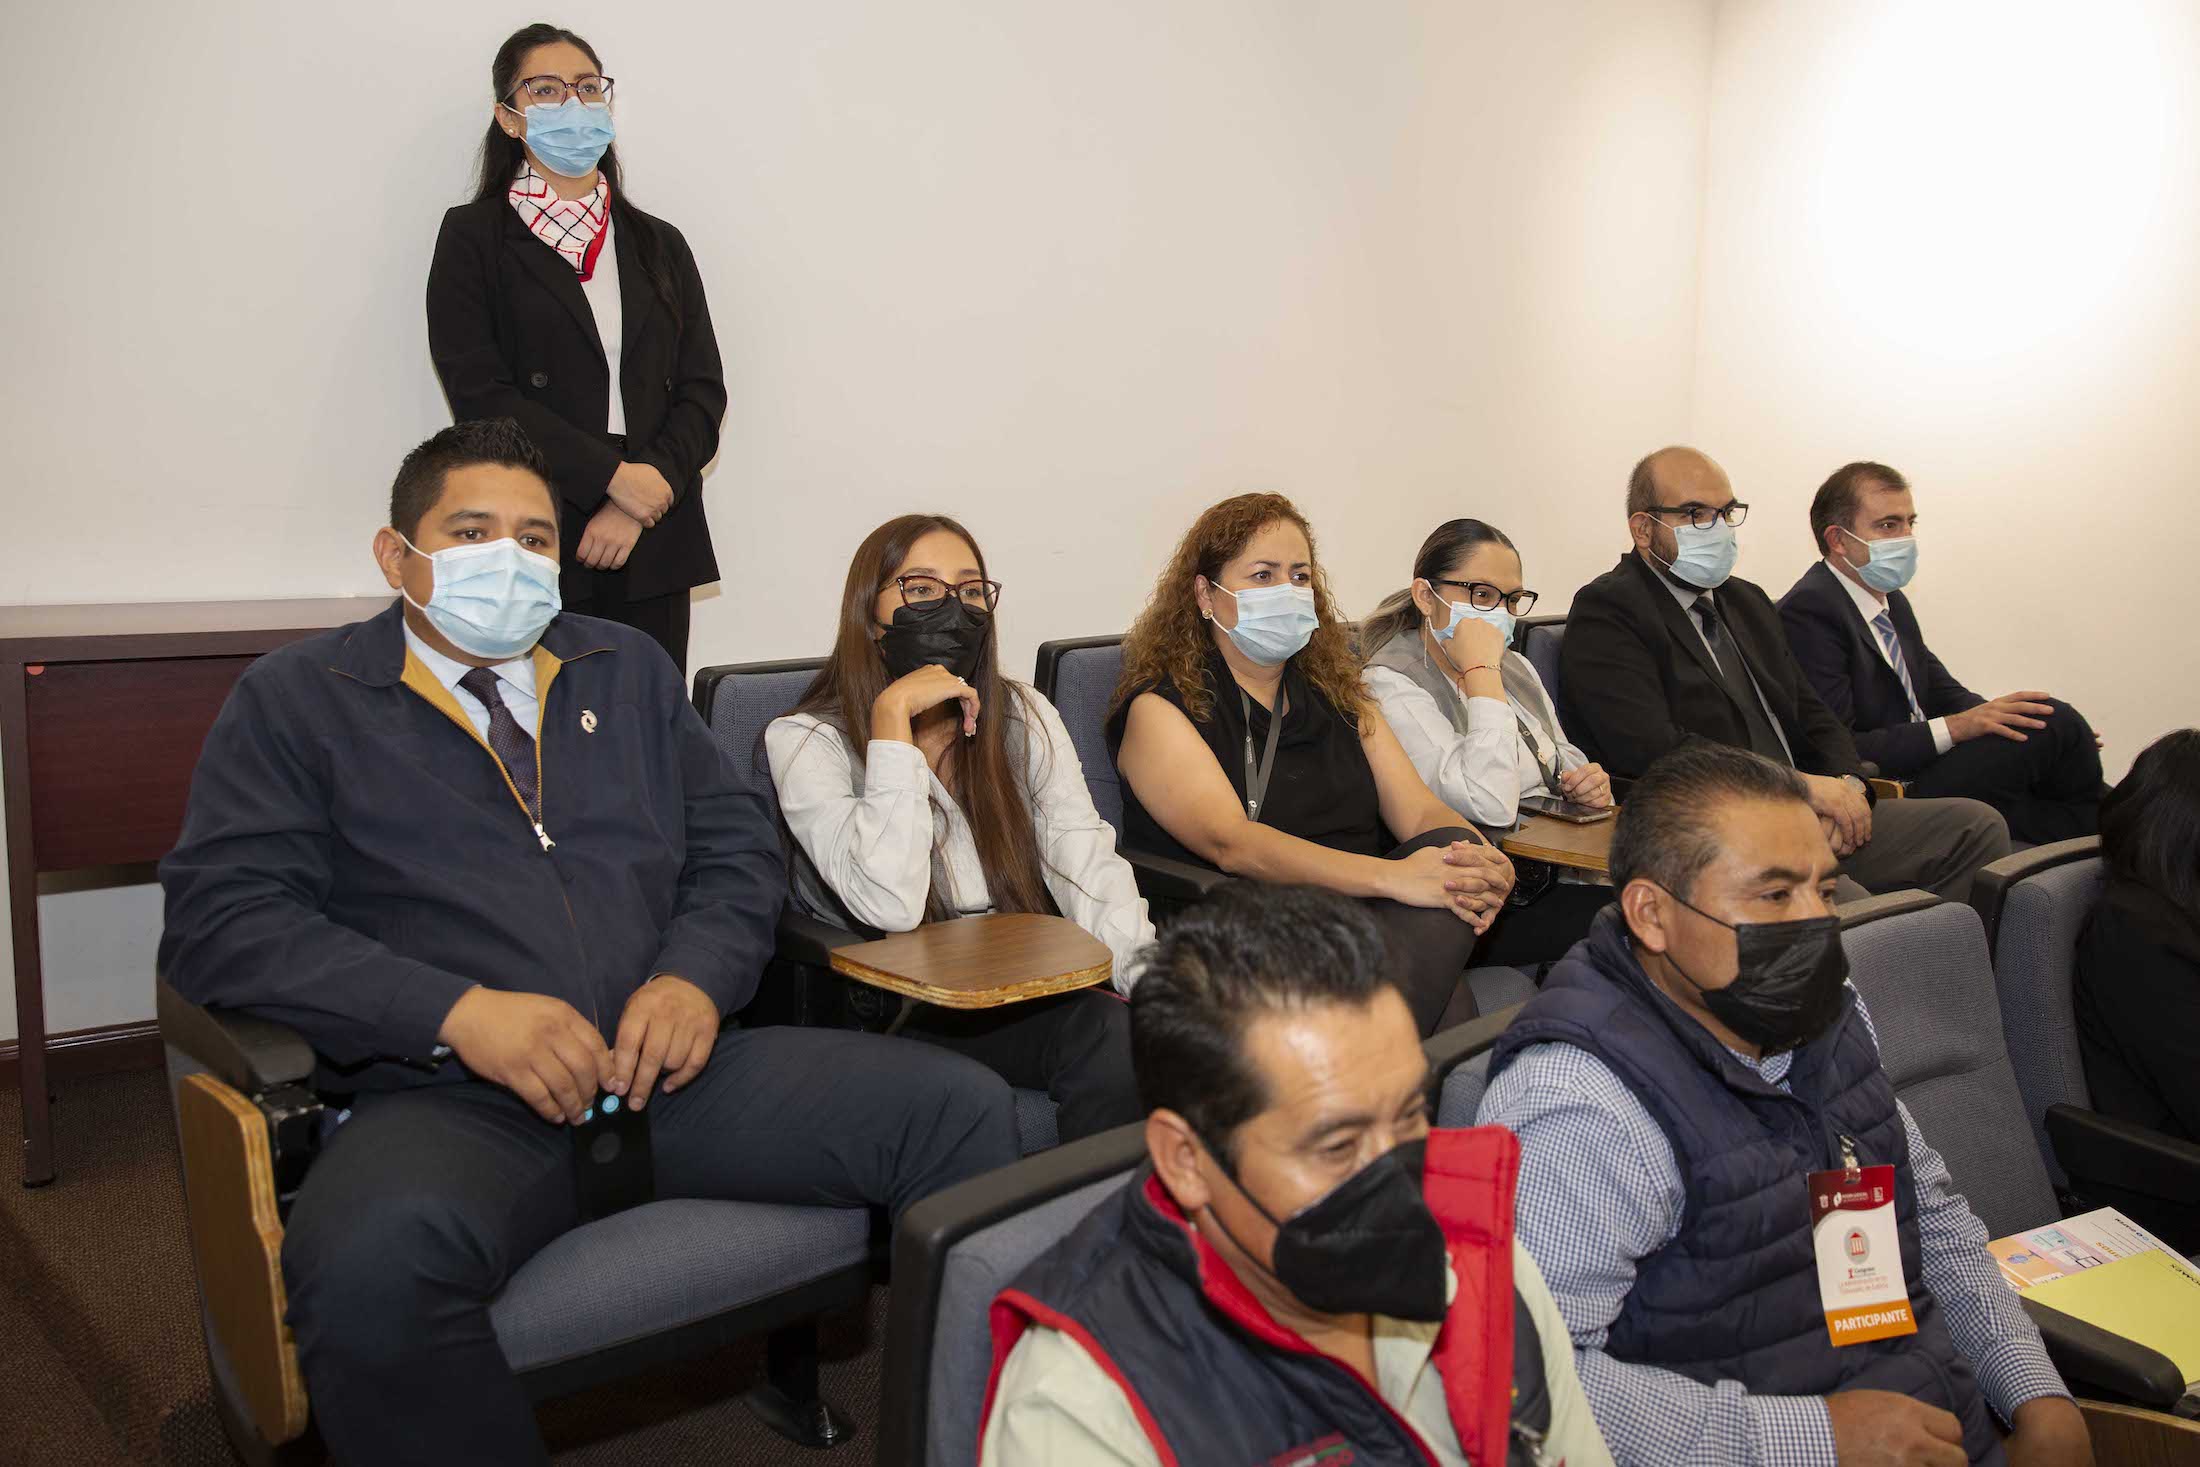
column 2048, row 787
column 664, row 619
column 1543, row 930
column 427, row 1200
column 1429, row 947
column 1074, row 1046
column 1935, row 844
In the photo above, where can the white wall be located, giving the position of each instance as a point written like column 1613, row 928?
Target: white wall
column 1067, row 271
column 1964, row 239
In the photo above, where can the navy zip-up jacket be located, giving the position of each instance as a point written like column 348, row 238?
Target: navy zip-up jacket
column 354, row 858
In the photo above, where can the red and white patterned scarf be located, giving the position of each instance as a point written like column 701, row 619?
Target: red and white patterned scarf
column 572, row 227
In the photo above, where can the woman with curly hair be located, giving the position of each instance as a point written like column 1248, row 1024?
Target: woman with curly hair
column 1247, row 744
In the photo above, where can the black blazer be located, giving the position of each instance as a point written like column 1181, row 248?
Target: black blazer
column 512, row 336
column 1839, row 653
column 2138, row 1009
column 1635, row 680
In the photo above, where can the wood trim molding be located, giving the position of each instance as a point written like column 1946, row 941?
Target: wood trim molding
column 80, row 1053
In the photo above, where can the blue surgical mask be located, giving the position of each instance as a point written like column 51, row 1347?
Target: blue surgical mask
column 1704, row 558
column 1892, row 562
column 1274, row 622
column 570, row 137
column 1496, row 616
column 491, row 599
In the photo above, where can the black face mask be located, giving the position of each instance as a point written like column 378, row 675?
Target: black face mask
column 1787, row 989
column 1370, row 1246
column 945, row 633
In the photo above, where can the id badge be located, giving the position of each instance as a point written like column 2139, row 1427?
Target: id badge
column 1859, row 1250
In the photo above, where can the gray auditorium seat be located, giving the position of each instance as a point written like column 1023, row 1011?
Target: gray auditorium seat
column 952, row 1253
column 1921, row 965
column 647, row 1287
column 2034, row 904
column 1537, row 639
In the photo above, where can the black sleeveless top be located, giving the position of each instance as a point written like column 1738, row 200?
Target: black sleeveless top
column 1321, row 788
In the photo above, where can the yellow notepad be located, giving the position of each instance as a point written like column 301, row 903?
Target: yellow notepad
column 2148, row 1297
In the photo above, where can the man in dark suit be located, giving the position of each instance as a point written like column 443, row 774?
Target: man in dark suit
column 1666, row 646
column 2030, row 756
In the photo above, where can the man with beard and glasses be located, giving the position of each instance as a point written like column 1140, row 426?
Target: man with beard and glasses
column 1302, row 1270
column 1760, row 1259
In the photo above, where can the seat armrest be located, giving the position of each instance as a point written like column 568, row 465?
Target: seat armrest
column 2095, row 1362
column 2117, row 1153
column 1453, row 1047
column 1165, row 879
column 810, row 940
column 250, row 1055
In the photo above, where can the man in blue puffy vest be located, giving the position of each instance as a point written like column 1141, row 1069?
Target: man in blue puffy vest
column 1760, row 1259
column 1303, row 1271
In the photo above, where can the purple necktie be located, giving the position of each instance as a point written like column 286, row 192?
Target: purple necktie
column 514, row 745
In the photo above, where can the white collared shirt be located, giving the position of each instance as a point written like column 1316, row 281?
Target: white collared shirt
column 881, row 831
column 1870, row 603
column 1484, row 772
column 515, row 685
column 602, row 291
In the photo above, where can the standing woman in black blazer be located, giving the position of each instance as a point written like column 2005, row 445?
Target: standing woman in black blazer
column 555, row 301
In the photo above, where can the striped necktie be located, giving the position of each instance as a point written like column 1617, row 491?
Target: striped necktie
column 1884, row 625
column 514, row 746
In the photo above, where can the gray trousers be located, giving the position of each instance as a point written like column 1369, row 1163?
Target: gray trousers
column 1934, row 844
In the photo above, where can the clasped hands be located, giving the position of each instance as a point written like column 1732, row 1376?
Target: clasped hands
column 635, row 500
column 542, row 1050
column 1470, row 878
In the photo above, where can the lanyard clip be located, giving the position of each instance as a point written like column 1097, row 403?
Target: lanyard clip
column 1848, row 1160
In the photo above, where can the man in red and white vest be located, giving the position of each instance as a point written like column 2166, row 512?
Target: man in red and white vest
column 1303, row 1271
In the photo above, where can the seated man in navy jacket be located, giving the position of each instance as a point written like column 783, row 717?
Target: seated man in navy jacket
column 488, row 861
column 1762, row 1261
column 2030, row 756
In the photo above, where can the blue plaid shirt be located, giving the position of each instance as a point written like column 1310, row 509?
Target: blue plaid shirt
column 1599, row 1189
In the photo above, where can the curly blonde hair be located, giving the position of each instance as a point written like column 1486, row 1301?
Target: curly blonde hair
column 1170, row 640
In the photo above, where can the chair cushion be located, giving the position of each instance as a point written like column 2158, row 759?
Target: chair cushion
column 1084, row 682
column 585, row 1293
column 1462, row 1094
column 740, row 708
column 1540, row 646
column 1499, row 988
column 978, row 1268
column 1925, row 977
column 2034, row 963
column 1035, row 1127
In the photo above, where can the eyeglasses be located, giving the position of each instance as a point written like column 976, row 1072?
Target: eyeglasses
column 549, row 91
column 1701, row 515
column 929, row 590
column 1483, row 596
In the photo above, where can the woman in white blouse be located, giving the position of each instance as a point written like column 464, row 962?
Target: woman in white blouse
column 1475, row 719
column 920, row 784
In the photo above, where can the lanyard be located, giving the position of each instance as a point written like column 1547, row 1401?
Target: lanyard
column 1550, row 771
column 1256, row 775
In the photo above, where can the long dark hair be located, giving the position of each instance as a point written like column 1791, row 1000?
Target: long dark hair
column 501, row 155
column 988, row 782
column 1447, row 545
column 2150, row 824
